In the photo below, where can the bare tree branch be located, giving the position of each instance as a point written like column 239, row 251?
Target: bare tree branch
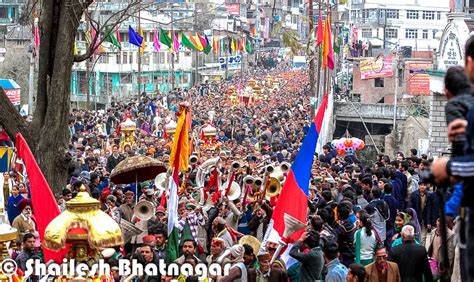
column 106, row 28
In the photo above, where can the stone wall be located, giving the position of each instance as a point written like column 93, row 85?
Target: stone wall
column 438, row 131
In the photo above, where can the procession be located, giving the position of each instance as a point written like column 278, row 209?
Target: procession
column 277, row 142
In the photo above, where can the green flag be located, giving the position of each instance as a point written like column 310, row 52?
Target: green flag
column 165, row 39
column 186, row 42
column 112, row 39
column 249, row 46
column 208, row 47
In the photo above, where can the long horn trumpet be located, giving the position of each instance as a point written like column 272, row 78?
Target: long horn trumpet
column 285, row 167
column 273, row 188
column 193, row 159
column 236, row 166
column 234, row 190
column 160, row 184
column 249, row 180
column 144, row 210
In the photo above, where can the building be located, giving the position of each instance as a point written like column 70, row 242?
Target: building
column 413, row 24
column 10, row 11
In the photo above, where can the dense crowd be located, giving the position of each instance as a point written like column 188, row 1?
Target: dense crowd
column 378, row 222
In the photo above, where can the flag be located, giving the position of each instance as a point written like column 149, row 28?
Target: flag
column 187, row 43
column 44, row 204
column 203, row 41
column 37, row 37
column 328, row 60
column 117, row 36
column 5, row 159
column 179, row 162
column 232, row 45
column 229, row 44
column 296, row 186
column 165, row 39
column 249, row 46
column 208, row 47
column 156, row 42
column 197, row 41
column 215, row 44
column 112, row 39
column 320, row 38
column 143, row 45
column 175, row 43
column 244, row 48
column 134, row 38
column 76, row 51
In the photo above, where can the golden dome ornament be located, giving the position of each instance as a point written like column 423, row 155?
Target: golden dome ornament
column 7, row 234
column 83, row 225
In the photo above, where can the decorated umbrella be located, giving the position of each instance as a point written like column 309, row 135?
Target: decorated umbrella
column 136, row 169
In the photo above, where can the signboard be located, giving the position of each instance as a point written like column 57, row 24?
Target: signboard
column 376, row 67
column 234, row 62
column 418, row 82
column 423, row 146
column 451, row 51
column 13, row 95
column 233, row 9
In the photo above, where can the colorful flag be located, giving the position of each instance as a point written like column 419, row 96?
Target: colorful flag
column 198, row 43
column 187, row 43
column 143, row 45
column 244, row 43
column 175, row 43
column 296, row 186
column 328, row 60
column 232, row 45
column 320, row 36
column 134, row 37
column 42, row 199
column 208, row 47
column 117, row 36
column 156, row 42
column 37, row 37
column 249, row 46
column 229, row 44
column 165, row 39
column 215, row 44
column 5, row 159
column 112, row 39
column 178, row 159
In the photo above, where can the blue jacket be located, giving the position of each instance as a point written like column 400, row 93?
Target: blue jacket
column 452, row 206
column 415, row 203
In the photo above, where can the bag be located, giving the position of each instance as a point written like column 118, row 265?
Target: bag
column 433, row 266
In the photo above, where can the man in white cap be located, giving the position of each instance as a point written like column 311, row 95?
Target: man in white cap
column 238, row 271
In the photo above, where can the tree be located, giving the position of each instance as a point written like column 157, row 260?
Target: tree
column 47, row 134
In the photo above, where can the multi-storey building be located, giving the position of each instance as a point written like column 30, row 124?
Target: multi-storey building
column 404, row 23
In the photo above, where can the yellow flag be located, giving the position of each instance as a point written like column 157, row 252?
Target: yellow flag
column 232, row 45
column 76, row 51
column 142, row 49
column 180, row 147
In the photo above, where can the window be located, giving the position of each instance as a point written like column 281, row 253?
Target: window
column 118, row 57
column 366, row 33
column 391, row 33
column 428, row 15
column 379, row 82
column 392, row 14
column 123, row 37
column 130, row 58
column 434, row 33
column 425, row 34
column 438, row 16
column 412, row 14
column 162, row 58
column 156, row 58
column 125, row 59
column 411, row 33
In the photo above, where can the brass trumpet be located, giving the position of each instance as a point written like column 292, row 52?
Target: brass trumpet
column 249, row 180
column 235, row 166
column 193, row 159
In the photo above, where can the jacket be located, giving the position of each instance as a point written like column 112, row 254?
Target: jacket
column 311, row 263
column 276, row 275
column 412, row 262
column 345, row 239
column 372, row 275
column 415, row 203
column 379, row 214
column 450, row 239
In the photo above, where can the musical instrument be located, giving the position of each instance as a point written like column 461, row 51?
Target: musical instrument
column 205, row 169
column 292, row 225
column 276, row 180
column 160, row 184
column 144, row 210
column 193, row 159
column 234, row 191
column 252, row 242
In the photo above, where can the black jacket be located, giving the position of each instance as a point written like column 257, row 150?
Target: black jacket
column 425, row 214
column 345, row 239
column 412, row 261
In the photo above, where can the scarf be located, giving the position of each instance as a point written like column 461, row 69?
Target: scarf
column 381, row 267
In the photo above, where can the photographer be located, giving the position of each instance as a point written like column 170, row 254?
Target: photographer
column 462, row 167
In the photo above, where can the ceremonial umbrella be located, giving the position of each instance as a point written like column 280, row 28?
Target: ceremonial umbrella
column 136, row 169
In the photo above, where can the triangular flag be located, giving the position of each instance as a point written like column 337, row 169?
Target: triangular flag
column 142, row 48
column 165, row 39
column 112, row 39
column 328, row 60
column 134, row 38
column 208, row 48
column 197, row 41
column 187, row 43
column 214, row 44
column 319, row 38
column 175, row 43
column 249, row 46
column 156, row 42
column 232, row 46
column 244, row 48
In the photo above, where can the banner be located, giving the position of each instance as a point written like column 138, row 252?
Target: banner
column 234, row 62
column 233, row 9
column 418, row 81
column 376, row 67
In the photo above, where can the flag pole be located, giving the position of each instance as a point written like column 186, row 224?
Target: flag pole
column 139, row 58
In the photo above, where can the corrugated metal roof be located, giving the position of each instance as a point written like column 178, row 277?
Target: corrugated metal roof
column 19, row 32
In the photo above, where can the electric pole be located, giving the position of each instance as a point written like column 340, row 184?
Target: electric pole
column 139, row 57
column 312, row 82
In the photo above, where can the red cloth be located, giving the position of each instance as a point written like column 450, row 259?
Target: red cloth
column 44, row 204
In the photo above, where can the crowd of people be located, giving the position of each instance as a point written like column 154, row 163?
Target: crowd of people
column 374, row 223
